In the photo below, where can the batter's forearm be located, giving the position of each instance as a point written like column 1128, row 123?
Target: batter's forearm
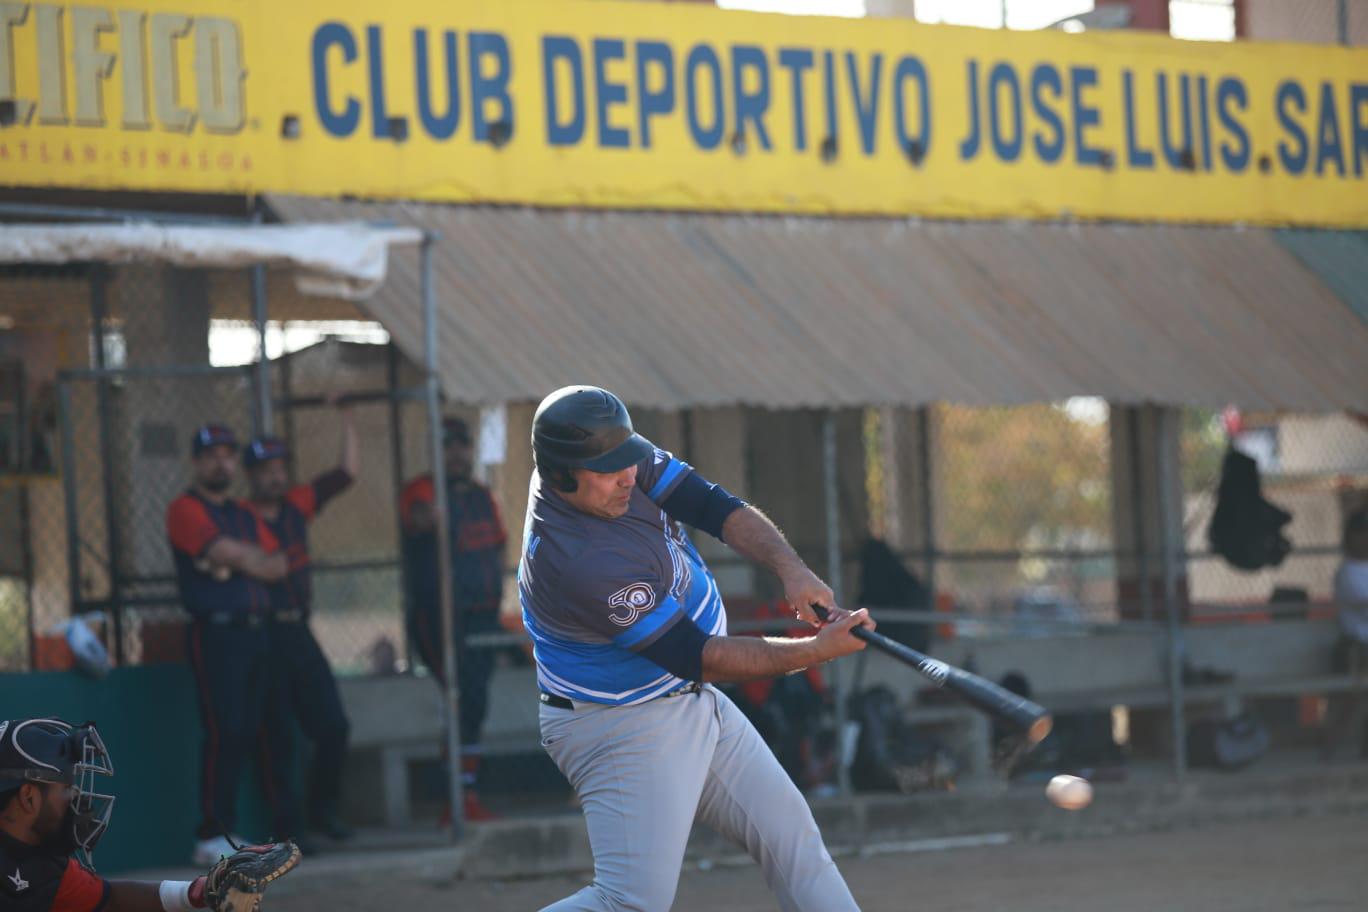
column 728, row 659
column 754, row 536
column 134, row 896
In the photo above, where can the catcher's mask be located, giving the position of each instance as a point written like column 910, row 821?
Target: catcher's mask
column 50, row 750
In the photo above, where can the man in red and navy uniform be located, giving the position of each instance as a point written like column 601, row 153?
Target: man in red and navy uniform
column 477, row 573
column 225, row 559
column 50, row 813
column 302, row 683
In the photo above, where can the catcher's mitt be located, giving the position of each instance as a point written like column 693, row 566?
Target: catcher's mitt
column 238, row 881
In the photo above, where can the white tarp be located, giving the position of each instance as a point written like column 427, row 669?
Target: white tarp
column 343, row 259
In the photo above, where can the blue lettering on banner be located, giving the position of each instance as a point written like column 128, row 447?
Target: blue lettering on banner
column 1204, row 120
column 489, row 88
column 969, row 146
column 1358, row 115
column 1231, row 91
column 751, row 106
column 1328, row 145
column 558, row 48
column 338, row 123
column 1136, row 156
column 1084, row 116
column 829, row 93
column 375, row 56
column 1045, row 76
column 866, row 105
column 1293, row 158
column 653, row 102
column 438, row 126
column 912, row 68
column 797, row 61
column 1173, row 153
column 609, row 94
column 704, row 57
column 1006, row 145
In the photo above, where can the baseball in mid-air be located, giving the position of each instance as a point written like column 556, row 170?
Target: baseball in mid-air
column 1072, row 793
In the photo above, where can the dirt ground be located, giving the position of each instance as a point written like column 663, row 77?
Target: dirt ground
column 1275, row 865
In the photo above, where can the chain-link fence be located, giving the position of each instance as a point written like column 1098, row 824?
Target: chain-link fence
column 355, row 543
column 1025, row 526
column 1314, row 467
column 125, row 445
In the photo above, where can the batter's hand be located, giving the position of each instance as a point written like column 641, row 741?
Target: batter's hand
column 802, row 588
column 834, row 639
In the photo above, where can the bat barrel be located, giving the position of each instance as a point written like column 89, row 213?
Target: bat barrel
column 996, row 701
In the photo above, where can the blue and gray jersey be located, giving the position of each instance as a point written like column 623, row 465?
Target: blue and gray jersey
column 595, row 592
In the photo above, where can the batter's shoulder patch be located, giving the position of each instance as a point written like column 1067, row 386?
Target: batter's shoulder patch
column 634, row 600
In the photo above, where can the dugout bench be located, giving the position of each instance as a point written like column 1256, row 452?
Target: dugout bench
column 1105, row 668
column 397, row 721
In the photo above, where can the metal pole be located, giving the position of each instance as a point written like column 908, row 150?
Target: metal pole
column 98, row 287
column 287, row 408
column 833, row 555
column 1138, row 508
column 444, row 582
column 64, row 416
column 261, row 416
column 1164, row 425
column 928, row 507
column 396, row 414
column 26, row 544
column 1342, row 18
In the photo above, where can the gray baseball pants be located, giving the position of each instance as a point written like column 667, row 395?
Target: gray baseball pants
column 643, row 773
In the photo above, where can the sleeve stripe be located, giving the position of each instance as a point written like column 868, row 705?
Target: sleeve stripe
column 672, row 471
column 650, row 623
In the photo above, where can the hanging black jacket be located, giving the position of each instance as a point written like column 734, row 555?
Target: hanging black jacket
column 1246, row 530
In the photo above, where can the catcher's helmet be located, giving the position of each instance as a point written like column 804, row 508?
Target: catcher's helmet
column 584, row 427
column 50, row 750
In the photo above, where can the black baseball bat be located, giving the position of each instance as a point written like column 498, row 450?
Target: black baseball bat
column 1031, row 718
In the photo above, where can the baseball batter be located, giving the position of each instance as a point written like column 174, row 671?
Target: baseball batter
column 628, row 628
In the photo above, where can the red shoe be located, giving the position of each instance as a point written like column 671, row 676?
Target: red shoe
column 476, row 812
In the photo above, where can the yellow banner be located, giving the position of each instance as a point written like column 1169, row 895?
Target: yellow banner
column 670, row 106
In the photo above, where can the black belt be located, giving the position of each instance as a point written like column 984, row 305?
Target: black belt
column 561, row 703
column 234, row 619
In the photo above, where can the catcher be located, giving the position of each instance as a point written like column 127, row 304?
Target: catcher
column 50, row 812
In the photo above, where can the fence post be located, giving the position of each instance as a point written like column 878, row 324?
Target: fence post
column 1164, row 428
column 928, row 511
column 1142, row 570
column 396, row 414
column 833, row 555
column 444, row 581
column 98, row 312
column 64, row 418
column 262, row 416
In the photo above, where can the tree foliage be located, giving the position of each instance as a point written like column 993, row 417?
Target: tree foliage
column 1032, row 476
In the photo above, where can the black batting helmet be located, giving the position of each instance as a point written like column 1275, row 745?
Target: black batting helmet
column 584, row 427
column 50, row 750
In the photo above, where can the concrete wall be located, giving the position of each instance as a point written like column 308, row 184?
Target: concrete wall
column 1314, row 21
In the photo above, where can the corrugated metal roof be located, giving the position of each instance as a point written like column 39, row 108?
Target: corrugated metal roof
column 674, row 310
column 1339, row 258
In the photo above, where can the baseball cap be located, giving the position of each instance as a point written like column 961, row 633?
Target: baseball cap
column 212, row 435
column 455, row 430
column 263, row 449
